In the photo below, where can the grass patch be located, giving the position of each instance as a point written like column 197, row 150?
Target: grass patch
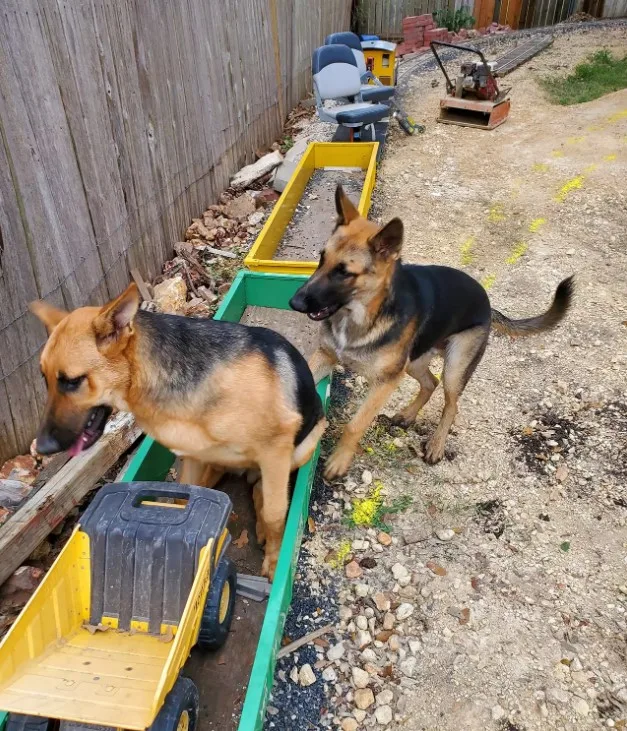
column 599, row 75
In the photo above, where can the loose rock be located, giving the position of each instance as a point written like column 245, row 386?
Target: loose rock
column 336, row 652
column 404, row 611
column 363, row 698
column 360, row 678
column 383, row 714
column 353, row 570
column 306, row 676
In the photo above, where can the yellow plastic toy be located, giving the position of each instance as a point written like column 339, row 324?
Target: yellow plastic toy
column 381, row 60
column 102, row 641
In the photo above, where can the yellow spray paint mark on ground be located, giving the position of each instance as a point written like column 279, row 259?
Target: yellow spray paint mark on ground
column 558, row 153
column 516, row 188
column 340, row 555
column 594, row 127
column 574, row 140
column 517, row 252
column 466, row 251
column 590, row 169
column 617, row 117
column 496, row 214
column 540, row 167
column 536, row 224
column 609, row 158
column 568, row 187
column 488, row 281
column 365, row 509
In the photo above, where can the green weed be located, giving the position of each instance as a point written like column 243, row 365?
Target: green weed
column 599, row 75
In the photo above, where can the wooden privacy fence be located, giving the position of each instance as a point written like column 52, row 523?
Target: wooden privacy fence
column 120, row 120
column 384, row 17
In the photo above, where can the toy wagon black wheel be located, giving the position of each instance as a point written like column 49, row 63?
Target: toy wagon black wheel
column 180, row 708
column 216, row 619
column 19, row 722
column 405, row 124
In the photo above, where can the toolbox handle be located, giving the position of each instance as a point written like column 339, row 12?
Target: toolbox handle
column 450, row 87
column 154, row 498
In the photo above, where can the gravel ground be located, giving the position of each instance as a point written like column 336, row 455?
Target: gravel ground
column 491, row 590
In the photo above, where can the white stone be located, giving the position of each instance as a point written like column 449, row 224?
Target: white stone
column 360, row 678
column 329, row 674
column 383, row 714
column 363, row 639
column 361, row 622
column 385, row 697
column 399, row 571
column 366, row 477
column 408, row 667
column 306, row 676
column 336, row 652
column 445, row 534
column 581, row 707
column 497, row 713
column 404, row 611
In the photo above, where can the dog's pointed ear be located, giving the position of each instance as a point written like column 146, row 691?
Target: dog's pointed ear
column 346, row 211
column 48, row 314
column 387, row 243
column 114, row 322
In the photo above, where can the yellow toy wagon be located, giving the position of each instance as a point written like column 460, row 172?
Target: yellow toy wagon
column 102, row 641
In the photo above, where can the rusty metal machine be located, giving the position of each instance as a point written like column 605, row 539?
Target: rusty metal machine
column 474, row 98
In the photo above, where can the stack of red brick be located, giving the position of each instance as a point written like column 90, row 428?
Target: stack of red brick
column 418, row 32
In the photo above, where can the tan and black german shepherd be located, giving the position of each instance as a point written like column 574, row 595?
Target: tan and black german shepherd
column 221, row 395
column 383, row 318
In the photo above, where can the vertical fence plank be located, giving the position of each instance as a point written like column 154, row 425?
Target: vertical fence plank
column 120, row 120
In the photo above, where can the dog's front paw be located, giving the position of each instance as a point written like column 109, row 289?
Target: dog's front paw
column 338, row 463
column 402, row 420
column 269, row 564
column 434, row 451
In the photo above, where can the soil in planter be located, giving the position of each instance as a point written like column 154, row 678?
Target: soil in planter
column 296, row 327
column 315, row 214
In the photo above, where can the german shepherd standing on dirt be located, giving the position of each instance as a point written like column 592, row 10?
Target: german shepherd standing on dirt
column 221, row 395
column 383, row 318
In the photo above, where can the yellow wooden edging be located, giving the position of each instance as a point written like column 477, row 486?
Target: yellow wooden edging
column 318, row 155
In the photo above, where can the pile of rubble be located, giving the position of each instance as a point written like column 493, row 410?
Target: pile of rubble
column 420, row 30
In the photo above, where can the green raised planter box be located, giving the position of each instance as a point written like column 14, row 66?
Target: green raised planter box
column 152, row 462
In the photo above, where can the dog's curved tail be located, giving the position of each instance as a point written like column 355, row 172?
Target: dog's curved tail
column 547, row 321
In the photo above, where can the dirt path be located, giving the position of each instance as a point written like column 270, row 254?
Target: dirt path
column 513, row 554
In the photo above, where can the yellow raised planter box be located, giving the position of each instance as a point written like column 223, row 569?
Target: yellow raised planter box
column 318, row 155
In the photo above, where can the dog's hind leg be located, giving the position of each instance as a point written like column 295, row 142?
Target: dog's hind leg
column 418, row 369
column 194, row 472
column 462, row 355
column 275, row 464
column 260, row 528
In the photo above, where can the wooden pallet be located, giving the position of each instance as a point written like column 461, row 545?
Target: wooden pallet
column 519, row 55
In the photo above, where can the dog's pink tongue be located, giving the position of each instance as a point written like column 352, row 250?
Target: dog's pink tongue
column 77, row 447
